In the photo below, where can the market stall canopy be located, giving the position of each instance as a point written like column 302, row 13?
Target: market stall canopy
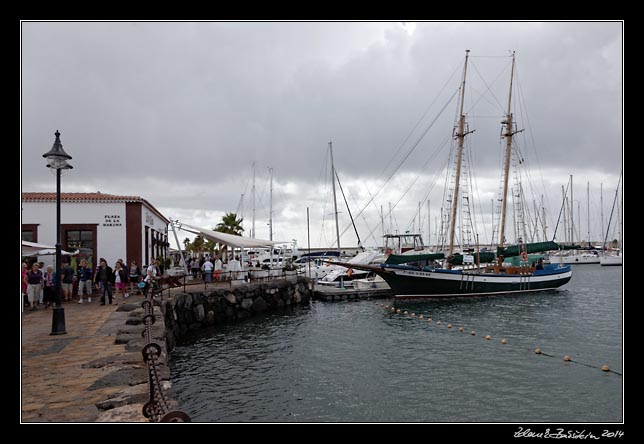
column 228, row 239
column 35, row 249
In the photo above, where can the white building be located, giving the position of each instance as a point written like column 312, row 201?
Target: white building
column 98, row 225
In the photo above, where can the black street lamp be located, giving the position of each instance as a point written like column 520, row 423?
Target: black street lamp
column 58, row 158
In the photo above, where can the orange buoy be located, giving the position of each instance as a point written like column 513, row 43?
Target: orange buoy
column 413, row 315
column 461, row 329
column 405, row 312
column 605, row 368
column 504, row 341
column 439, row 322
column 398, row 311
column 488, row 337
column 537, row 351
column 429, row 319
column 566, row 358
column 473, row 333
column 420, row 317
column 449, row 325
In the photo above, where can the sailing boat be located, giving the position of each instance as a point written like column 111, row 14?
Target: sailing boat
column 420, row 276
column 614, row 258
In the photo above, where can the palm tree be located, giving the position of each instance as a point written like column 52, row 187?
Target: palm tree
column 231, row 225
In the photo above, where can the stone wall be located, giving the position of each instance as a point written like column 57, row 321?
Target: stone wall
column 186, row 312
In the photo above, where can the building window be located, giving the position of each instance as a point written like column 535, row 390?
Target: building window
column 83, row 241
column 28, row 235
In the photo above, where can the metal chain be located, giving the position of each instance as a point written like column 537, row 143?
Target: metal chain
column 156, row 409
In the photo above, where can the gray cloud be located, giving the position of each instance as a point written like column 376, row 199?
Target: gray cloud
column 176, row 112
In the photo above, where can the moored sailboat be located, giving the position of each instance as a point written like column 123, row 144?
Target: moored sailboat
column 424, row 275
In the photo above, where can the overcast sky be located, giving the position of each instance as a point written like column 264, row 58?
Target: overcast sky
column 177, row 112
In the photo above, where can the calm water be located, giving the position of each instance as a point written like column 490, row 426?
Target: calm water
column 356, row 362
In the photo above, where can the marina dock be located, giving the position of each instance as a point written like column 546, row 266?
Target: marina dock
column 328, row 293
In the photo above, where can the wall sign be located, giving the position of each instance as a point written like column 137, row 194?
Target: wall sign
column 112, row 220
column 149, row 220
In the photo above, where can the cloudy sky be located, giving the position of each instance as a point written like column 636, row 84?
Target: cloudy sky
column 178, row 113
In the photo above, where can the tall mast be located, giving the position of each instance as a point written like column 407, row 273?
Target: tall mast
column 270, row 211
column 253, row 193
column 601, row 203
column 382, row 224
column 572, row 214
column 429, row 227
column 588, row 209
column 335, row 203
column 543, row 219
column 419, row 227
column 565, row 214
column 461, row 139
column 508, row 153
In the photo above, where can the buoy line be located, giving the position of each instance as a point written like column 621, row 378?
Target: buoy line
column 503, row 341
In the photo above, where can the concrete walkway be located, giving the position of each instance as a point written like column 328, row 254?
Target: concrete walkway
column 63, row 377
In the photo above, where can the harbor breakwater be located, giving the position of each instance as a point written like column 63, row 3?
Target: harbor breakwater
column 187, row 312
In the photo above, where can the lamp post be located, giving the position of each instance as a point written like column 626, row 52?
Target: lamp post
column 58, row 158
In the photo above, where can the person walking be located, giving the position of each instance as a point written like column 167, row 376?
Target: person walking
column 120, row 282
column 41, row 292
column 218, row 267
column 195, row 267
column 152, row 276
column 50, row 292
column 34, row 280
column 103, row 280
column 207, row 270
column 135, row 277
column 84, row 276
column 23, row 284
column 67, row 274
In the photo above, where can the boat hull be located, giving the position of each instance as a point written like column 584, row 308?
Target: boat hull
column 575, row 259
column 411, row 284
column 606, row 261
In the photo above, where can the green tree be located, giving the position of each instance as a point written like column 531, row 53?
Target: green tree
column 231, row 225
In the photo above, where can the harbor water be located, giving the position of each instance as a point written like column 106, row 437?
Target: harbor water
column 359, row 362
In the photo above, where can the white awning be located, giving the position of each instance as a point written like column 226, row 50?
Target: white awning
column 228, row 239
column 35, row 249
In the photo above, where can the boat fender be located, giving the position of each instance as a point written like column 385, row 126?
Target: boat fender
column 488, row 337
column 504, row 341
column 566, row 358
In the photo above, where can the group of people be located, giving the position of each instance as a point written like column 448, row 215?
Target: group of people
column 207, row 268
column 38, row 287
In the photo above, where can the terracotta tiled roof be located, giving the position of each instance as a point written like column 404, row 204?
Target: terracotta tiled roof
column 88, row 197
column 79, row 197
